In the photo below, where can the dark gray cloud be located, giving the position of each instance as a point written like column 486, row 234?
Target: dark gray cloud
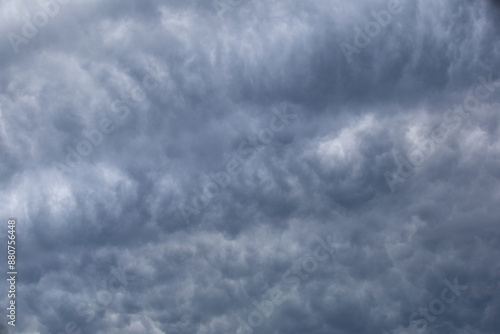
column 327, row 191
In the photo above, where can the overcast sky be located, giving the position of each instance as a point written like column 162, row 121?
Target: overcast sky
column 251, row 166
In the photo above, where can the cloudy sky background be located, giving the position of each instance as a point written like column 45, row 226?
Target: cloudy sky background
column 222, row 77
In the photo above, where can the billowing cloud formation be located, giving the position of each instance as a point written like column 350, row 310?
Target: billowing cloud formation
column 252, row 166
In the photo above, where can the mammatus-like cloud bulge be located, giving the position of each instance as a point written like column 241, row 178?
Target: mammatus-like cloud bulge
column 252, row 166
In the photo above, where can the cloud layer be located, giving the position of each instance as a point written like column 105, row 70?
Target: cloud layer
column 252, row 166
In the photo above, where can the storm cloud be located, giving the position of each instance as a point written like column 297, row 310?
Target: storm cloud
column 252, row 166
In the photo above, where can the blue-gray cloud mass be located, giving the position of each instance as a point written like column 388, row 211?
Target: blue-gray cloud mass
column 256, row 166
